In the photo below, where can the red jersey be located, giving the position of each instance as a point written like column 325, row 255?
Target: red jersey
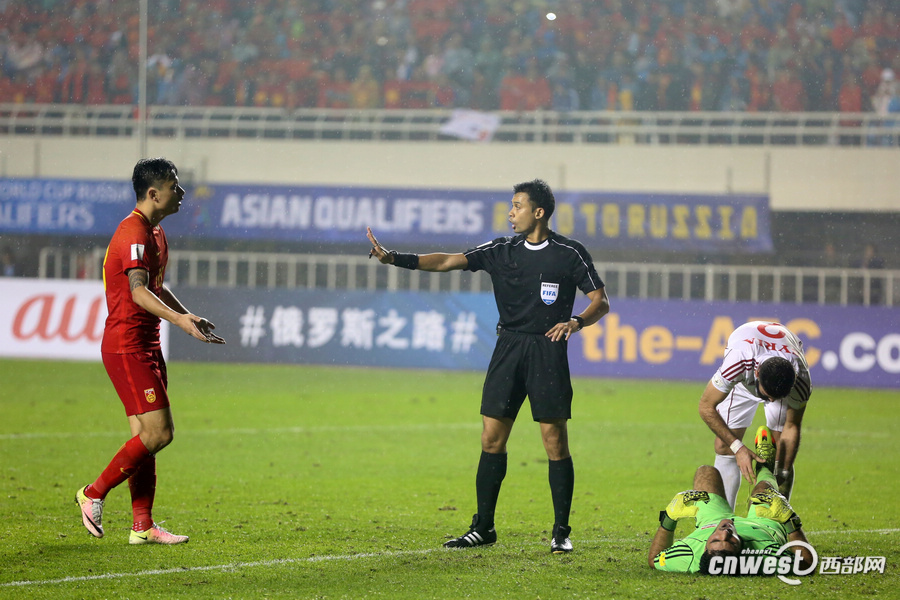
column 130, row 328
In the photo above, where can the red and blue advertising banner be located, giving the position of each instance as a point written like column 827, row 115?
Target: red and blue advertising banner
column 850, row 346
column 455, row 219
column 659, row 339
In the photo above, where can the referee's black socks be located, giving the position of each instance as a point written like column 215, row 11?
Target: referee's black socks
column 491, row 471
column 562, row 483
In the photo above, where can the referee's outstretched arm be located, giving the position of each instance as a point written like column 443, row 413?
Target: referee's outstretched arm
column 437, row 261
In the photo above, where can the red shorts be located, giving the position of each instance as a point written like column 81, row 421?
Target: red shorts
column 140, row 379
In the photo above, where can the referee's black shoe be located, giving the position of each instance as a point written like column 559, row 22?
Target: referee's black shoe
column 476, row 536
column 561, row 544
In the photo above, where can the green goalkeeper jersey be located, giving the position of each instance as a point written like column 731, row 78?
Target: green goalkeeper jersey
column 760, row 536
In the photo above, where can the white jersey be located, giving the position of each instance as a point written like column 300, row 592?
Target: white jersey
column 751, row 344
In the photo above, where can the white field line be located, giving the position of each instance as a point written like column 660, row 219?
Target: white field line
column 315, row 559
column 229, row 567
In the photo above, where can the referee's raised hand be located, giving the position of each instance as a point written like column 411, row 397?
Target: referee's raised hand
column 378, row 251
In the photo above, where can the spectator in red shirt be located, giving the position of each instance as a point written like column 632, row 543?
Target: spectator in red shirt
column 46, row 84
column 850, row 100
column 871, row 28
column 754, row 31
column 787, row 92
column 96, row 84
column 842, row 34
column 528, row 92
column 760, row 92
column 74, row 83
column 442, row 92
column 335, row 92
column 137, row 298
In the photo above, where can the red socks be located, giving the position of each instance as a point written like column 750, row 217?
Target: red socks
column 135, row 463
column 143, row 488
column 123, row 465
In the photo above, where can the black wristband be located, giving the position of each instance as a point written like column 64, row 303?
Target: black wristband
column 579, row 320
column 405, row 261
column 666, row 522
column 792, row 524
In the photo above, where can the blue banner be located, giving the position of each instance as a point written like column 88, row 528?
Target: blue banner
column 852, row 346
column 656, row 339
column 454, row 219
column 63, row 206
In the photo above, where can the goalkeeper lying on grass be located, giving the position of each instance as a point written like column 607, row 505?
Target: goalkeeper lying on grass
column 769, row 525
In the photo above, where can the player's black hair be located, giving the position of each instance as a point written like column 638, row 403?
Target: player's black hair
column 708, row 556
column 777, row 375
column 539, row 193
column 149, row 172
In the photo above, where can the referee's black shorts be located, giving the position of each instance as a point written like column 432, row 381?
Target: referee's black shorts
column 528, row 364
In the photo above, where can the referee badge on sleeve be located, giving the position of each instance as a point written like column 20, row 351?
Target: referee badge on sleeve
column 549, row 292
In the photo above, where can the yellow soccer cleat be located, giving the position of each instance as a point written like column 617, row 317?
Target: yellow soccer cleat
column 156, row 535
column 765, row 449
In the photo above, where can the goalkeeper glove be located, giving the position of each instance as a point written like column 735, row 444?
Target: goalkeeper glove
column 682, row 506
column 770, row 504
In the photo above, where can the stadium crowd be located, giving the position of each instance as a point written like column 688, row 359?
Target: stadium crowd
column 685, row 55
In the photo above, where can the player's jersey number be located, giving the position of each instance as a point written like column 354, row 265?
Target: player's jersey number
column 769, row 333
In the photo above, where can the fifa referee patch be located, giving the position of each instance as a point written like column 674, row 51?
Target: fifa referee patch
column 150, row 395
column 549, row 292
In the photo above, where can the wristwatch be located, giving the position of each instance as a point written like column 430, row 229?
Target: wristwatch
column 578, row 320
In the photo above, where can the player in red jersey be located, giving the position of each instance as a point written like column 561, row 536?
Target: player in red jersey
column 137, row 299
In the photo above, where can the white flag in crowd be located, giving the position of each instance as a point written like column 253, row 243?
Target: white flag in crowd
column 471, row 125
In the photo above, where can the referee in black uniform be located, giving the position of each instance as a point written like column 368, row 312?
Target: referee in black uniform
column 535, row 275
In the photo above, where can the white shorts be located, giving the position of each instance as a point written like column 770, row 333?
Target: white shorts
column 739, row 408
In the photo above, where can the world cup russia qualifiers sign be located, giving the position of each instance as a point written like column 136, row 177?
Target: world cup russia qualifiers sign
column 424, row 217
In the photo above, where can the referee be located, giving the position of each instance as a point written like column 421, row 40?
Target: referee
column 535, row 275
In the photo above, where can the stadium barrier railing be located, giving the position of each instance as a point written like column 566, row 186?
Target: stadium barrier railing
column 731, row 283
column 575, row 127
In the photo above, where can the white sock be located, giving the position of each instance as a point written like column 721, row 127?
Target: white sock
column 731, row 476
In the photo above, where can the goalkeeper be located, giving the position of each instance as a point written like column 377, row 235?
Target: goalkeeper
column 770, row 523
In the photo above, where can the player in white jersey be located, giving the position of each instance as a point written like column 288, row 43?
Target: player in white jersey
column 764, row 363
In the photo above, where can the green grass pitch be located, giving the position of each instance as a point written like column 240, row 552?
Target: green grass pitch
column 313, row 482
